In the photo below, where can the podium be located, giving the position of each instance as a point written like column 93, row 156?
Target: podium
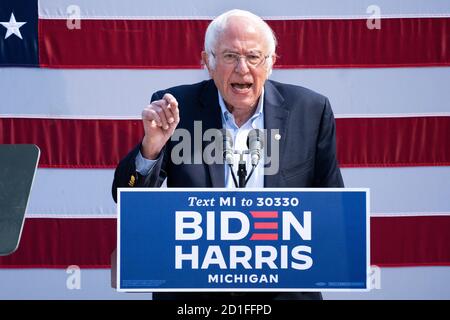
column 18, row 163
column 242, row 240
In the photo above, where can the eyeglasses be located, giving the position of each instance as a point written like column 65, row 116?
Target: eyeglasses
column 252, row 59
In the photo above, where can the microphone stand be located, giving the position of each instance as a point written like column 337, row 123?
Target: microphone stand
column 233, row 175
column 242, row 171
column 242, row 165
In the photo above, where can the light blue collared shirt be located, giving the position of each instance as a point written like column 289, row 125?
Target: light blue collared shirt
column 239, row 134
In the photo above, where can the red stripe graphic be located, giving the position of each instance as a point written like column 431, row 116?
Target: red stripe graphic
column 302, row 43
column 266, row 225
column 361, row 142
column 88, row 243
column 264, row 214
column 264, row 236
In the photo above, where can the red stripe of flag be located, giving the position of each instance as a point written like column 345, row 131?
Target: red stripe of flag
column 379, row 142
column 67, row 143
column 302, row 43
column 409, row 241
column 59, row 243
column 361, row 142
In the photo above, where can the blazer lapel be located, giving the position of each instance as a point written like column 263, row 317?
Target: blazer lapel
column 212, row 119
column 275, row 117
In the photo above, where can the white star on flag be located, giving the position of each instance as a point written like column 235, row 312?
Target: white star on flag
column 12, row 27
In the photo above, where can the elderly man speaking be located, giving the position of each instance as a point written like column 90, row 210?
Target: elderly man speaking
column 239, row 54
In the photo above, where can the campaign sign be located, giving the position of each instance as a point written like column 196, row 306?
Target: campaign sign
column 243, row 240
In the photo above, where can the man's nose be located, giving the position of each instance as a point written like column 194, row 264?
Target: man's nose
column 241, row 66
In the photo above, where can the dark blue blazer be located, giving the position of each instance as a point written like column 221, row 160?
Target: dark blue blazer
column 307, row 151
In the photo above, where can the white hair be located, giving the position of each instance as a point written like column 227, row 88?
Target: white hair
column 219, row 24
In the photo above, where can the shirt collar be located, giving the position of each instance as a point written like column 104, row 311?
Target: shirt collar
column 226, row 115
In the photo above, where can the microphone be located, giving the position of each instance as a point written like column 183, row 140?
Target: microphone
column 255, row 144
column 228, row 151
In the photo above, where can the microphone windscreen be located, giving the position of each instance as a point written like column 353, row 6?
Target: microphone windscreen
column 227, row 140
column 255, row 135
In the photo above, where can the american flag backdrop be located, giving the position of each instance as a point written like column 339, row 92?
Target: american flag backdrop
column 76, row 74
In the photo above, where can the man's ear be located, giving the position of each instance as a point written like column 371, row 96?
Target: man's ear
column 205, row 61
column 274, row 58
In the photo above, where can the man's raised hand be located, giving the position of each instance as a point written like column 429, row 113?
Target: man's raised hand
column 160, row 119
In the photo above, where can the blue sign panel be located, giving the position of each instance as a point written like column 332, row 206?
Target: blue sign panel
column 242, row 240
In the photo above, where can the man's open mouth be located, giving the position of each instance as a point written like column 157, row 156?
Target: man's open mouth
column 241, row 86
